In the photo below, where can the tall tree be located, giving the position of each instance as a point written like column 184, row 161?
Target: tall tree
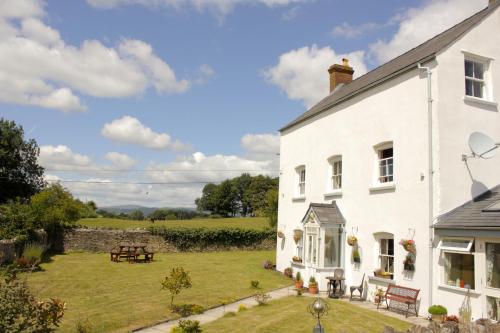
column 20, row 174
column 241, row 185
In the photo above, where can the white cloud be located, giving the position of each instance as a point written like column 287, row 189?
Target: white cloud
column 420, row 24
column 130, row 130
column 302, row 73
column 38, row 68
column 63, row 158
column 120, row 161
column 348, row 31
column 261, row 146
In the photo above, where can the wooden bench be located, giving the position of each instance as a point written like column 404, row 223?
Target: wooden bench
column 404, row 295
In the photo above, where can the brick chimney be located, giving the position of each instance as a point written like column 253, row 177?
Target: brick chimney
column 340, row 74
column 491, row 3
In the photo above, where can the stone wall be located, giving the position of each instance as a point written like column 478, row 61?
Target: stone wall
column 100, row 240
column 7, row 250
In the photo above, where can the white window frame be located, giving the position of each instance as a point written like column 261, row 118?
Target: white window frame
column 379, row 161
column 380, row 255
column 312, row 245
column 335, row 166
column 456, row 249
column 487, row 90
column 300, row 183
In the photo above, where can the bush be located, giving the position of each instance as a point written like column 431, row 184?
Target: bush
column 177, row 280
column 21, row 312
column 186, row 310
column 262, row 298
column 186, row 239
column 33, row 253
column 288, row 272
column 268, row 264
column 254, row 284
column 437, row 310
column 187, row 326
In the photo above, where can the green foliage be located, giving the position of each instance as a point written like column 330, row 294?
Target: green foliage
column 136, row 215
column 20, row 174
column 185, row 310
column 199, row 238
column 254, row 284
column 177, row 280
column 88, row 210
column 21, row 312
column 32, row 255
column 288, row 272
column 262, row 298
column 298, row 276
column 271, row 208
column 312, row 280
column 55, row 206
column 187, row 326
column 437, row 310
column 16, row 220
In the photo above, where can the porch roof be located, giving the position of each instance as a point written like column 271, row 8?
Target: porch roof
column 325, row 213
column 481, row 213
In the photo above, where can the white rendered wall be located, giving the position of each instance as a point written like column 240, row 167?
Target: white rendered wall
column 386, row 113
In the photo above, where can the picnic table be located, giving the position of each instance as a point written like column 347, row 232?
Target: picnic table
column 131, row 252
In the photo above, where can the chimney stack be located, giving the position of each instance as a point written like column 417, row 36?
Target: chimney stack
column 341, row 73
column 492, row 2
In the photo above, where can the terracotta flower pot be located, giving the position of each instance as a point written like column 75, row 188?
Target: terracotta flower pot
column 438, row 318
column 313, row 289
column 299, row 284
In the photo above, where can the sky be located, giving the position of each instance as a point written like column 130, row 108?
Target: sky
column 145, row 101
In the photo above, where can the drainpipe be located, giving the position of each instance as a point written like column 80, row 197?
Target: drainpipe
column 428, row 72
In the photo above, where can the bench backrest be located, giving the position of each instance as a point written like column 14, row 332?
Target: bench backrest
column 396, row 290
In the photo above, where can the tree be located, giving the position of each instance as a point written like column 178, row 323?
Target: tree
column 137, row 215
column 177, row 280
column 256, row 193
column 271, row 210
column 20, row 175
column 208, row 201
column 241, row 185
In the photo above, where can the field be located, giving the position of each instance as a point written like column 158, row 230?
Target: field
column 117, row 297
column 289, row 315
column 237, row 222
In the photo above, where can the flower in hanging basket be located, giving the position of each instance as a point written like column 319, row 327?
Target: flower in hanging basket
column 408, row 245
column 297, row 235
column 352, row 240
column 281, row 234
column 356, row 257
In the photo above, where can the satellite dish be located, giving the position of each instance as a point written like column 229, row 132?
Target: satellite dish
column 482, row 145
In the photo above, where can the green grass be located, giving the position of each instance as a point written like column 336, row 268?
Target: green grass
column 117, row 297
column 237, row 222
column 290, row 315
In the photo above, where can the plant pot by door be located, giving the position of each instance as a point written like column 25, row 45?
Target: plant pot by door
column 313, row 289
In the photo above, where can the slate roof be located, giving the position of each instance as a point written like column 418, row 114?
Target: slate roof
column 396, row 66
column 475, row 214
column 326, row 213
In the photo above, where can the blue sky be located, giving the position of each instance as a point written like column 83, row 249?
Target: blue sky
column 184, row 91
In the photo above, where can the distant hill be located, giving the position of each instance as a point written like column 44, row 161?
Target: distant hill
column 129, row 208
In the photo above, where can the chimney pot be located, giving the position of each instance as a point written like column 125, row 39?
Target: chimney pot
column 340, row 74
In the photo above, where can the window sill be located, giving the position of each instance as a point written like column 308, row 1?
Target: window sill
column 299, row 198
column 381, row 280
column 458, row 289
column 333, row 193
column 481, row 101
column 383, row 187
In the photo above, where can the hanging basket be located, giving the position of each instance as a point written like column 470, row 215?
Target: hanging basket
column 409, row 245
column 281, row 234
column 352, row 240
column 297, row 235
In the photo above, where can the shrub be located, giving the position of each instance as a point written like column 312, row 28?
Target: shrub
column 312, row 279
column 186, row 239
column 268, row 264
column 186, row 310
column 21, row 312
column 187, row 326
column 177, row 280
column 241, row 308
column 298, row 276
column 33, row 253
column 262, row 298
column 437, row 310
column 254, row 284
column 288, row 272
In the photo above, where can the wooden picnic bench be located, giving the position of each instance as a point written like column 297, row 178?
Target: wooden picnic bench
column 404, row 295
column 131, row 252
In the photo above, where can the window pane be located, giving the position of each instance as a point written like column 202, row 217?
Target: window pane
column 390, row 247
column 478, row 70
column 478, row 89
column 314, row 250
column 459, row 270
column 468, row 87
column 383, row 246
column 332, row 248
column 468, row 68
column 386, row 153
column 493, row 265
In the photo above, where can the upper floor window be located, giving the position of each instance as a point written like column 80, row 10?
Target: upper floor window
column 335, row 181
column 475, row 83
column 385, row 163
column 301, row 181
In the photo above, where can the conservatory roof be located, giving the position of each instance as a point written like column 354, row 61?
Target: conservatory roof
column 325, row 213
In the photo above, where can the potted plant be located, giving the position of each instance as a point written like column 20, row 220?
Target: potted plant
column 408, row 245
column 438, row 312
column 288, row 272
column 299, row 283
column 382, row 274
column 356, row 257
column 296, row 259
column 409, row 263
column 378, row 295
column 352, row 240
column 313, row 285
column 297, row 235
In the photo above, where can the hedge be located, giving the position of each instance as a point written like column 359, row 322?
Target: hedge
column 186, row 239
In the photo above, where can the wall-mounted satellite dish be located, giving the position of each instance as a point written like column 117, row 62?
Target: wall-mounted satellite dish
column 482, row 145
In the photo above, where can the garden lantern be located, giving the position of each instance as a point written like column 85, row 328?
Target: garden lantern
column 318, row 309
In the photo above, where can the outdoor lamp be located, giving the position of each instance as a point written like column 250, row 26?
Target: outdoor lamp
column 318, row 309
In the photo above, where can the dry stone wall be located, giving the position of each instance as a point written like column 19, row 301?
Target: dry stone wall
column 7, row 250
column 101, row 240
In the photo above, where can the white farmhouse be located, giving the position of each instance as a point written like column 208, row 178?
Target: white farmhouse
column 381, row 158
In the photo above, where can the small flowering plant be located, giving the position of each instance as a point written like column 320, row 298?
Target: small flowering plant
column 352, row 240
column 408, row 245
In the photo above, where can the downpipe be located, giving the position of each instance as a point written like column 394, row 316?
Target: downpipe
column 428, row 72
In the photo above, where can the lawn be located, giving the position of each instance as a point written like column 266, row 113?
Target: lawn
column 236, row 222
column 290, row 315
column 117, row 297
